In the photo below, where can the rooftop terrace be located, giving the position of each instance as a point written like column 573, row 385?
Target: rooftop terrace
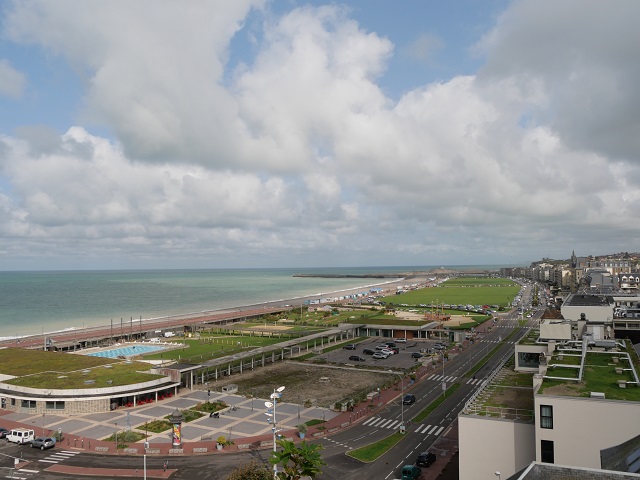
column 576, row 371
column 508, row 395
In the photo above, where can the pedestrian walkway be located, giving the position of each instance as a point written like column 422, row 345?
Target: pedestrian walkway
column 59, row 456
column 246, row 425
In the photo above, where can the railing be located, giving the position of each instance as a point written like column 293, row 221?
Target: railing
column 500, row 412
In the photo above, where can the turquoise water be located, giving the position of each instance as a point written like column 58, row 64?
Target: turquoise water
column 126, row 351
column 41, row 302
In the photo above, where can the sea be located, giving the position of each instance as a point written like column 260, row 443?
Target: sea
column 33, row 303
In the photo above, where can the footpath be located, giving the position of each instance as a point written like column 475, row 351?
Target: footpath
column 445, row 446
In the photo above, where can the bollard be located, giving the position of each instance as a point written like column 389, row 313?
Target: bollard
column 83, row 443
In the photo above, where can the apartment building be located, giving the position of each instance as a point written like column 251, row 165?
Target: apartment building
column 562, row 402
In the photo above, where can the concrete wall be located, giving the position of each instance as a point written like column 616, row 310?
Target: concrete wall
column 593, row 313
column 487, row 445
column 556, row 331
column 584, row 426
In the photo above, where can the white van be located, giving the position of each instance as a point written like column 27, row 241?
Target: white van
column 20, row 436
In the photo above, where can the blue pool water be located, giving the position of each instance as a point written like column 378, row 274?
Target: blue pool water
column 127, row 351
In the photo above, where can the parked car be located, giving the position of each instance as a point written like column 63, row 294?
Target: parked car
column 368, row 351
column 425, row 459
column 380, row 355
column 409, row 399
column 43, row 442
column 410, row 472
column 416, row 355
column 349, row 346
column 3, row 432
column 391, row 345
column 401, row 340
column 381, row 347
column 357, row 358
column 388, row 351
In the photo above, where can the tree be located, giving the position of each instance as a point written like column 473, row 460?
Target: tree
column 298, row 462
column 251, row 471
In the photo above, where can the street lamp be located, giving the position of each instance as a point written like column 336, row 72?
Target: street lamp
column 444, row 384
column 401, row 399
column 497, row 474
column 271, row 413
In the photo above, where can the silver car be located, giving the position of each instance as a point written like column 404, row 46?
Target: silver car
column 43, row 442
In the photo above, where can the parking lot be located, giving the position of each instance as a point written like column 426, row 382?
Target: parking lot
column 403, row 359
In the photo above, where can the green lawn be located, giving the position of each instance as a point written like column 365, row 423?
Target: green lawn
column 40, row 369
column 207, row 348
column 19, row 362
column 457, row 295
column 475, row 281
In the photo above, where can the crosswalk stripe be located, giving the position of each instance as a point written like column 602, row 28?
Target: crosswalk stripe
column 439, row 431
column 48, row 461
column 384, row 424
column 421, row 427
column 369, row 420
column 393, row 425
column 377, row 422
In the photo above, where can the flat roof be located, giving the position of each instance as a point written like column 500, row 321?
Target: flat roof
column 587, row 300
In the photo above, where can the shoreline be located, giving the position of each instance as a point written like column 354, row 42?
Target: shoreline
column 385, row 281
column 297, row 301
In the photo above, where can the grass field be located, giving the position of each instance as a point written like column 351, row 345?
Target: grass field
column 472, row 291
column 207, row 348
column 38, row 369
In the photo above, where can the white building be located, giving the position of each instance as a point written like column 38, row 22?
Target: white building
column 584, row 399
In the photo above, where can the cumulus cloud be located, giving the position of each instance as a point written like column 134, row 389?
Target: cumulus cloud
column 297, row 154
column 12, row 82
column 584, row 53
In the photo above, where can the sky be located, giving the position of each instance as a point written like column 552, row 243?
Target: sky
column 285, row 133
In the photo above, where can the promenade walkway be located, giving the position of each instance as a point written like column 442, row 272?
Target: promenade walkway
column 246, row 425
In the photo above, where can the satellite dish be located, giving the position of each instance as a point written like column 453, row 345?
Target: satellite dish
column 268, row 404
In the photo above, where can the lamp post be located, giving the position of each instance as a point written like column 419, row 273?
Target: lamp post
column 444, row 384
column 497, row 474
column 271, row 413
column 401, row 400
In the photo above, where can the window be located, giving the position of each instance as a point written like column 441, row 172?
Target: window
column 55, row 406
column 546, row 451
column 546, row 416
column 28, row 404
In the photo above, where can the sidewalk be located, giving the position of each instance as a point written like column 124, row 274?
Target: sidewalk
column 90, row 441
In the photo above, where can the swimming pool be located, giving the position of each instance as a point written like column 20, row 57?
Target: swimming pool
column 128, row 351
